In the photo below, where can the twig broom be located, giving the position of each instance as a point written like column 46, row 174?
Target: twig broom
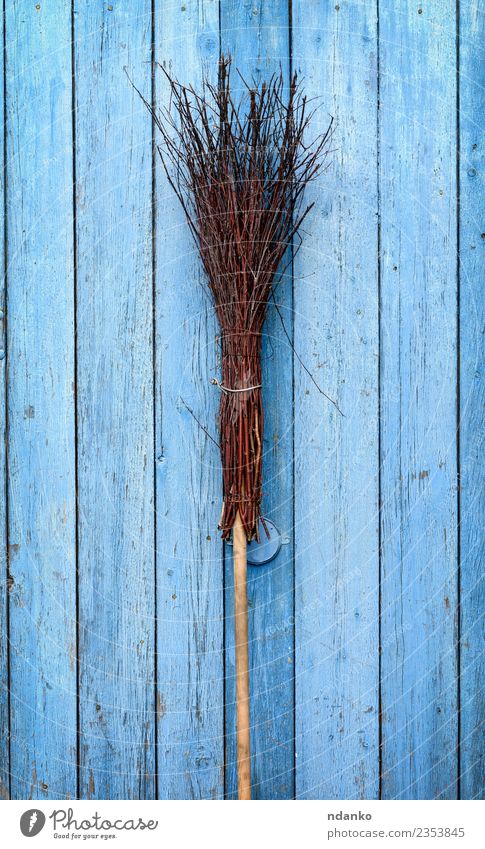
column 239, row 170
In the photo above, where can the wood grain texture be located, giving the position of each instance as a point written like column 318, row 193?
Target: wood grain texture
column 472, row 406
column 418, row 400
column 155, row 674
column 241, row 660
column 336, row 457
column 257, row 37
column 4, row 682
column 115, row 401
column 190, row 666
column 40, row 374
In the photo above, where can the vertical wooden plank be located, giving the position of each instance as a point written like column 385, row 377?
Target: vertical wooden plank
column 418, row 399
column 336, row 457
column 190, row 668
column 40, row 364
column 257, row 37
column 115, row 401
column 472, row 319
column 4, row 677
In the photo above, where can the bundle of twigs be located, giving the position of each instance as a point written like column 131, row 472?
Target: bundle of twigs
column 239, row 170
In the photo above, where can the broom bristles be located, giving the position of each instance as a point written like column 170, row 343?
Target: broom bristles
column 239, row 170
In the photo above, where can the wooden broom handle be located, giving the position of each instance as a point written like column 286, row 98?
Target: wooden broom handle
column 242, row 662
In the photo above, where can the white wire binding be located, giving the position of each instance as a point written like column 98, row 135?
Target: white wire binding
column 226, row 389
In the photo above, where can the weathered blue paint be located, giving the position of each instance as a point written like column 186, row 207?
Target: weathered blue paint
column 336, row 457
column 149, row 676
column 40, row 391
column 4, row 699
column 417, row 180
column 114, row 401
column 472, row 322
column 257, row 38
column 190, row 671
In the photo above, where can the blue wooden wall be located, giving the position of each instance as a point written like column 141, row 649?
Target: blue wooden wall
column 366, row 632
